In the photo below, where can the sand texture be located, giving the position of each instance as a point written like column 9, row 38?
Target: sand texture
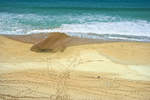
column 93, row 71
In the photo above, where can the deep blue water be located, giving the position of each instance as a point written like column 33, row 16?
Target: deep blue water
column 123, row 19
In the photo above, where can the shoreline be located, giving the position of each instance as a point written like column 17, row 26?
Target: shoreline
column 33, row 38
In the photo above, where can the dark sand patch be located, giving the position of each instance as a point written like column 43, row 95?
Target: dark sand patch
column 54, row 42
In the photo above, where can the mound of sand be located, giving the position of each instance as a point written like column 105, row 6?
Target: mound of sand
column 54, row 42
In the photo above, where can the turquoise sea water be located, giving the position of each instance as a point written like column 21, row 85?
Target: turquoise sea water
column 109, row 19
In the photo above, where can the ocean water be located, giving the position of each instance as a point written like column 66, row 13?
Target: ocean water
column 108, row 19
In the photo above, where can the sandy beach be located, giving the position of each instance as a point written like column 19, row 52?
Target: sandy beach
column 85, row 70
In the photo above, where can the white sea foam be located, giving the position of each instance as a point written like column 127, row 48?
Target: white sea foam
column 85, row 24
column 137, row 28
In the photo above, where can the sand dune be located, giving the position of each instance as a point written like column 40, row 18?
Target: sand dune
column 97, row 71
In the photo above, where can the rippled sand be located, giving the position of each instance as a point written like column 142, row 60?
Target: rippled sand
column 97, row 71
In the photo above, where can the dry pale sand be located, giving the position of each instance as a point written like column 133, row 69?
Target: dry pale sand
column 102, row 71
